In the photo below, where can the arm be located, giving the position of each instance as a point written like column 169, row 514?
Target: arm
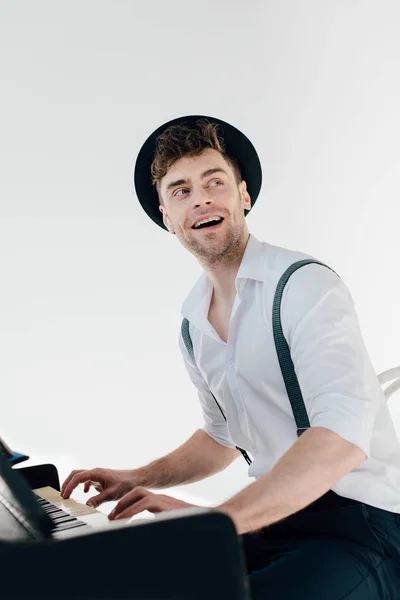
column 208, row 451
column 196, row 459
column 315, row 462
column 341, row 392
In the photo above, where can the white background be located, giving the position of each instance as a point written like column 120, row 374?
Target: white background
column 91, row 289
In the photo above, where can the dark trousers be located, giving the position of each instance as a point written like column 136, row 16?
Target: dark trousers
column 334, row 549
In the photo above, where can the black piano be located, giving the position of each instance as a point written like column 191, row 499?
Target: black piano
column 189, row 554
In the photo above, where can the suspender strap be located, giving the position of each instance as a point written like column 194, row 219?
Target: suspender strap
column 283, row 352
column 189, row 346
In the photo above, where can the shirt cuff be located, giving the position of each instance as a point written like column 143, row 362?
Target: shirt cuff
column 218, row 438
column 355, row 429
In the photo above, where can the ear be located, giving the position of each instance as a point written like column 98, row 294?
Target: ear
column 245, row 195
column 166, row 219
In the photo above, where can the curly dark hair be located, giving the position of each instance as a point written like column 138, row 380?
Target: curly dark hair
column 182, row 140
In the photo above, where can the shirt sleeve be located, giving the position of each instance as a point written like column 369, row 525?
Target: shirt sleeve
column 214, row 423
column 340, row 389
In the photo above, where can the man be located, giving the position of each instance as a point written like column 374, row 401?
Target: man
column 322, row 519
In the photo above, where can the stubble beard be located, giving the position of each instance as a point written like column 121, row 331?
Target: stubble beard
column 219, row 249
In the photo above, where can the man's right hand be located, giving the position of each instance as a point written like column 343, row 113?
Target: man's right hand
column 110, row 483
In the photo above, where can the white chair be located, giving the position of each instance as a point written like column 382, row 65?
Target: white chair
column 389, row 375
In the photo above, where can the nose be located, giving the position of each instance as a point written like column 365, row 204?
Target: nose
column 201, row 197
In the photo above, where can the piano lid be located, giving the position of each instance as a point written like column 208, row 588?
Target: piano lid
column 13, row 457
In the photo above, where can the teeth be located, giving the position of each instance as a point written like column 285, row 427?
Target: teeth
column 208, row 220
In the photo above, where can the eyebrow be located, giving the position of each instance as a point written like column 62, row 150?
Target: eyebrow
column 205, row 174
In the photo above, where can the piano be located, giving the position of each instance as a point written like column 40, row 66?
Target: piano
column 62, row 549
column 68, row 515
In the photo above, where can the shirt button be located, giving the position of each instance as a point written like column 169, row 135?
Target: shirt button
column 231, row 363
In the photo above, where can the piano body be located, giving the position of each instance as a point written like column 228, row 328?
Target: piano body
column 188, row 554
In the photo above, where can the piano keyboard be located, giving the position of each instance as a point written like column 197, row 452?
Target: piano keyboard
column 68, row 514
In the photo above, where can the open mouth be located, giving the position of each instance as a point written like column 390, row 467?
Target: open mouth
column 210, row 226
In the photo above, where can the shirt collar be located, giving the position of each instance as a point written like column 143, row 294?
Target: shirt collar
column 252, row 266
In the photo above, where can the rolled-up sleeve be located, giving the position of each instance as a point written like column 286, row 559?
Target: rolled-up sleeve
column 340, row 389
column 214, row 423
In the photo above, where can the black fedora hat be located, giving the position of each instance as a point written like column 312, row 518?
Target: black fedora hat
column 237, row 145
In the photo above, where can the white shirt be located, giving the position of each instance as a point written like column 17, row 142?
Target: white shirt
column 340, row 389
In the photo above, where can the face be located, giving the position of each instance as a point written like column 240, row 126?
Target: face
column 189, row 193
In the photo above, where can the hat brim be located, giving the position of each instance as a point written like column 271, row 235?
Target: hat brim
column 237, row 145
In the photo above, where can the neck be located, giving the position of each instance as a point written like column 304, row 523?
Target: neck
column 222, row 274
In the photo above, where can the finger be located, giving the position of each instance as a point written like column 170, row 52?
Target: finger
column 105, row 496
column 129, row 499
column 86, row 487
column 79, row 477
column 153, row 503
column 68, row 479
column 133, row 510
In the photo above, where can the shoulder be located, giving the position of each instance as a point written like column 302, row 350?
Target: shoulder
column 278, row 259
column 305, row 287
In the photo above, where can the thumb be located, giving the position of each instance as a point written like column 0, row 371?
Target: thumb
column 105, row 496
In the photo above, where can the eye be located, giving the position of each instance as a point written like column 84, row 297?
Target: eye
column 180, row 190
column 176, row 193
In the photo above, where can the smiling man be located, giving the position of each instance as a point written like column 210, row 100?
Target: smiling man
column 322, row 518
column 216, row 232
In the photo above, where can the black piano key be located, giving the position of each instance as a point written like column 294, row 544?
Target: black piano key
column 50, row 506
column 53, row 509
column 58, row 513
column 69, row 525
column 63, row 519
column 53, row 512
column 61, row 513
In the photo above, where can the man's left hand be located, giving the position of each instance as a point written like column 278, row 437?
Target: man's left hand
column 140, row 499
